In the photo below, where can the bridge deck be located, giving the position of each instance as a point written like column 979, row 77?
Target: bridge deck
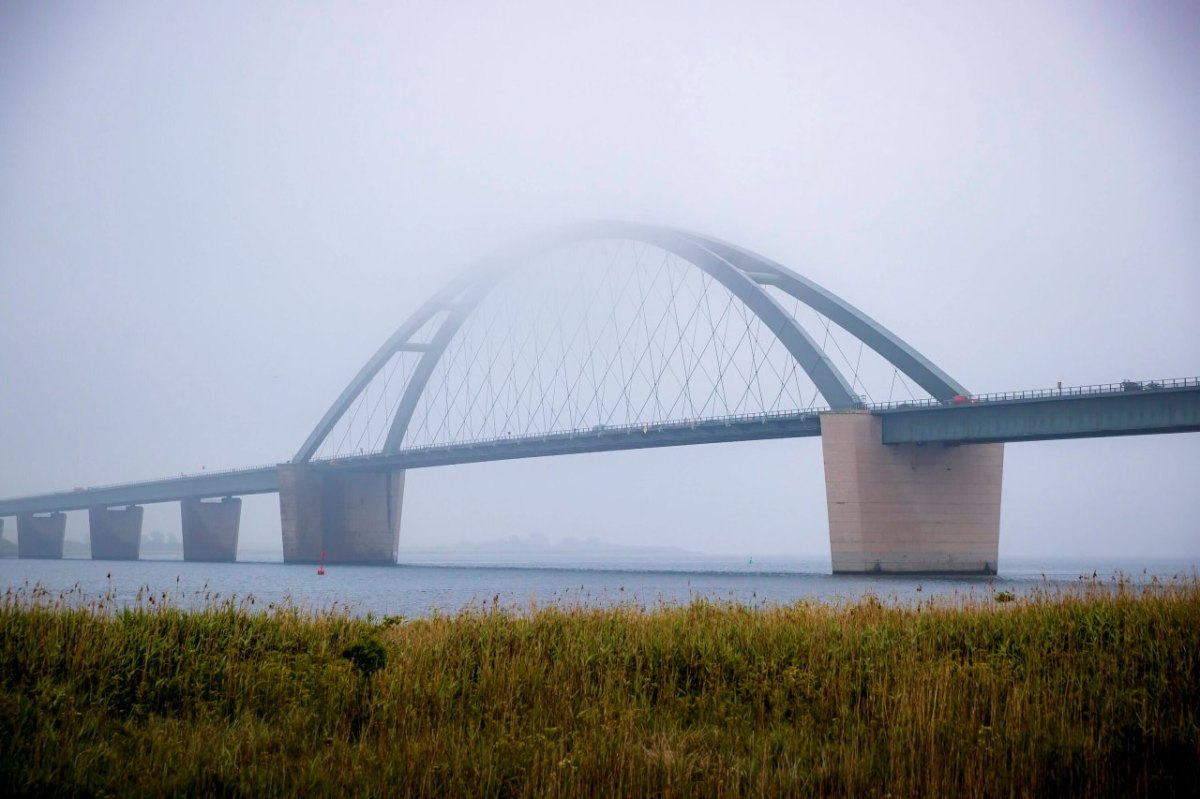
column 1118, row 409
column 1047, row 416
column 265, row 479
column 239, row 482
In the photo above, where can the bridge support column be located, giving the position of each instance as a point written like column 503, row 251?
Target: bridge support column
column 116, row 533
column 41, row 536
column 353, row 517
column 909, row 508
column 210, row 528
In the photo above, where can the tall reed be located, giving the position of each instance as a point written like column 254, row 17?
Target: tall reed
column 1093, row 691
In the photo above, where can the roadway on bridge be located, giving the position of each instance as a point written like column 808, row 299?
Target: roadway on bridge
column 1126, row 408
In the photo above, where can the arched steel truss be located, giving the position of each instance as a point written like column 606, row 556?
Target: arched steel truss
column 741, row 272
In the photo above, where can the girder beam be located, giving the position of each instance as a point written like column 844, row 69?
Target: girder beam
column 799, row 425
column 1048, row 418
column 241, row 482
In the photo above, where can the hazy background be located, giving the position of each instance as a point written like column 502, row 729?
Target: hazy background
column 212, row 214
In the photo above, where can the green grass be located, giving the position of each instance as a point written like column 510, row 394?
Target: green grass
column 1094, row 691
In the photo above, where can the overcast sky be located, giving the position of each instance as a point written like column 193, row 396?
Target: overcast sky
column 212, row 213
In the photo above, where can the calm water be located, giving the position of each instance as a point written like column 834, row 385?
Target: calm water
column 446, row 583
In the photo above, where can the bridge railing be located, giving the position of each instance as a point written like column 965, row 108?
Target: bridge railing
column 1123, row 387
column 182, row 476
column 594, row 431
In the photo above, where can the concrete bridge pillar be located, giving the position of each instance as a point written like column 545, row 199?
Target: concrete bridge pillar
column 909, row 508
column 116, row 533
column 353, row 517
column 210, row 528
column 41, row 536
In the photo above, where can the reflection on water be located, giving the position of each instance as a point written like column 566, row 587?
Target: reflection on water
column 446, row 583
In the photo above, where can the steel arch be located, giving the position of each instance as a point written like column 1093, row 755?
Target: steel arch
column 740, row 271
column 897, row 352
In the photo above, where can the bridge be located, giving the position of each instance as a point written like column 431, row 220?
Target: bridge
column 614, row 336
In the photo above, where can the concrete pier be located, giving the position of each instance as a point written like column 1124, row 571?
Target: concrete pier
column 909, row 508
column 353, row 517
column 210, row 528
column 116, row 533
column 41, row 536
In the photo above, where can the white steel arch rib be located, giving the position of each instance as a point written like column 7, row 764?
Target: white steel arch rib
column 738, row 270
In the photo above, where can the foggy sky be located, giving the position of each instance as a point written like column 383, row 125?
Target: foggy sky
column 212, row 214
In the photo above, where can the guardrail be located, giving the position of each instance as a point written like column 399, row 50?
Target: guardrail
column 593, row 431
column 182, row 476
column 1123, row 387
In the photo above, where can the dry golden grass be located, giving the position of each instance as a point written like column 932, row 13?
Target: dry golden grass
column 1094, row 691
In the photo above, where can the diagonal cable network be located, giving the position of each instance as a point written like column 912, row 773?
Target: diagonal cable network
column 855, row 383
column 619, row 348
column 615, row 334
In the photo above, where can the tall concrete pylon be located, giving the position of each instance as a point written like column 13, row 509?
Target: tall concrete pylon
column 909, row 508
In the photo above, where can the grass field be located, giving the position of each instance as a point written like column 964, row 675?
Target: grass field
column 1094, row 691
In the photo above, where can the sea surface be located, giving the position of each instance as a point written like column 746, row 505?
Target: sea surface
column 423, row 584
